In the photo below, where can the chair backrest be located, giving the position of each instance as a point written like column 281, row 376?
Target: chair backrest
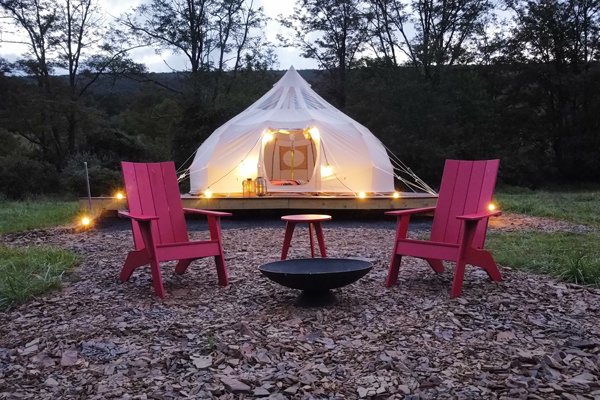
column 152, row 189
column 467, row 188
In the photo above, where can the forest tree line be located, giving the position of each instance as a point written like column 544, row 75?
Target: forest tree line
column 433, row 79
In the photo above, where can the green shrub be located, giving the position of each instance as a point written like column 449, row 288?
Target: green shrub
column 22, row 177
column 103, row 180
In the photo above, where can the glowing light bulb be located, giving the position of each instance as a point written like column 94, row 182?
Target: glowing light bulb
column 267, row 137
column 326, row 170
column 492, row 207
column 119, row 195
column 314, row 133
column 396, row 195
column 86, row 221
column 208, row 193
column 362, row 195
column 247, row 168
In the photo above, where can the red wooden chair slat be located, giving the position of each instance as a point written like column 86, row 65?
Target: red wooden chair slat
column 438, row 227
column 487, row 193
column 472, row 202
column 133, row 200
column 161, row 207
column 457, row 202
column 459, row 226
column 154, row 202
column 158, row 224
column 173, row 201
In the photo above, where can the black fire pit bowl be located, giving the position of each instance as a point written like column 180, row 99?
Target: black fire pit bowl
column 316, row 276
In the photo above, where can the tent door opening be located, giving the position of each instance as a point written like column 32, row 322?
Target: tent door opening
column 290, row 157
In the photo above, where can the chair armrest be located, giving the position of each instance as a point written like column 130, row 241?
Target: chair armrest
column 137, row 217
column 207, row 212
column 480, row 215
column 411, row 211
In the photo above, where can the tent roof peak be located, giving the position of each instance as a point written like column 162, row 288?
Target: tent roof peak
column 291, row 78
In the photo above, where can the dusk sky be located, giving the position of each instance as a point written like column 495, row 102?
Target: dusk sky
column 161, row 63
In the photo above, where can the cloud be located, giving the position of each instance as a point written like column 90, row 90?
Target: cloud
column 118, row 7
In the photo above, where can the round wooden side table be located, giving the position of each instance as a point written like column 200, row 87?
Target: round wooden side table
column 313, row 220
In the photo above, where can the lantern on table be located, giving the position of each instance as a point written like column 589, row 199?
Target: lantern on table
column 247, row 188
column 260, row 186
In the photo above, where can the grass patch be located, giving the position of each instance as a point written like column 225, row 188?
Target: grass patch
column 579, row 207
column 16, row 216
column 29, row 272
column 574, row 257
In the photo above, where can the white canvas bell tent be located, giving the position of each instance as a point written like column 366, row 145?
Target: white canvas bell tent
column 298, row 142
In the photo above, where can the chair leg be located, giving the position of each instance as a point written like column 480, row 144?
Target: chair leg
column 134, row 260
column 150, row 250
column 436, row 265
column 214, row 225
column 486, row 261
column 289, row 231
column 312, row 243
column 392, row 277
column 182, row 266
column 157, row 279
column 457, row 281
column 401, row 232
column 221, row 269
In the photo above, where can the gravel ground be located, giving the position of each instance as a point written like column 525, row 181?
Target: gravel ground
column 528, row 337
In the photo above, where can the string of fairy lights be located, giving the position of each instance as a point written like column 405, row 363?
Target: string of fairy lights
column 247, row 166
column 401, row 172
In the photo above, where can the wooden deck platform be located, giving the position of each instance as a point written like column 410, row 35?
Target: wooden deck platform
column 279, row 202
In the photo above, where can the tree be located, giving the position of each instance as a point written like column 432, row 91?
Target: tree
column 333, row 32
column 386, row 23
column 234, row 21
column 556, row 44
column 60, row 35
column 429, row 33
column 179, row 25
column 213, row 35
column 563, row 33
column 37, row 19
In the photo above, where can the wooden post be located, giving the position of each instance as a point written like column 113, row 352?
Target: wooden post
column 87, row 182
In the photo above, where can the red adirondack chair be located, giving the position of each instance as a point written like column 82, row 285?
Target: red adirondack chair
column 158, row 224
column 459, row 224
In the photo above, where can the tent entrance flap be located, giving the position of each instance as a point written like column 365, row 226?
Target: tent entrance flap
column 289, row 157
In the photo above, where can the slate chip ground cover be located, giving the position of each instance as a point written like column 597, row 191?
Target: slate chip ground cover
column 530, row 336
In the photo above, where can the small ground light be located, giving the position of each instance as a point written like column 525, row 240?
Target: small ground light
column 119, row 195
column 86, row 221
column 396, row 195
column 208, row 193
column 492, row 207
column 362, row 195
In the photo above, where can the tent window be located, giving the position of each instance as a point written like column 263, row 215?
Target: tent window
column 289, row 158
column 311, row 101
column 291, row 101
column 271, row 102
